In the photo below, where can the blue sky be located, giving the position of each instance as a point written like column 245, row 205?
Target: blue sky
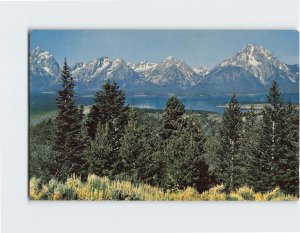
column 196, row 47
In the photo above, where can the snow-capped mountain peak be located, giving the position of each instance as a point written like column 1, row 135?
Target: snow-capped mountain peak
column 44, row 70
column 95, row 72
column 91, row 69
column 171, row 58
column 258, row 61
column 118, row 62
column 200, row 70
column 169, row 61
column 38, row 51
column 143, row 67
column 43, row 63
column 171, row 71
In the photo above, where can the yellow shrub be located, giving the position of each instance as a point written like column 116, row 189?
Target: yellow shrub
column 214, row 194
column 34, row 192
column 101, row 188
column 244, row 193
column 235, row 197
column 259, row 197
column 56, row 195
column 73, row 182
column 277, row 195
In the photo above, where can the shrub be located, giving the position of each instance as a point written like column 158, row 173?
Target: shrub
column 214, row 194
column 101, row 188
column 242, row 194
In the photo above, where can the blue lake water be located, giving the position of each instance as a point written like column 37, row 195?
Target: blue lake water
column 46, row 101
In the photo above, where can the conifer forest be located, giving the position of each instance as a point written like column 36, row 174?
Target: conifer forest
column 111, row 150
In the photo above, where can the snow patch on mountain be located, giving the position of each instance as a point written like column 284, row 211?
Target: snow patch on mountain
column 143, row 67
column 172, row 71
column 200, row 70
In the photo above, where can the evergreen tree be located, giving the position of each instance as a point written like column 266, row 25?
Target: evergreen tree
column 110, row 111
column 151, row 162
column 184, row 151
column 266, row 160
column 249, row 146
column 109, row 106
column 92, row 122
column 151, row 167
column 69, row 143
column 199, row 173
column 229, row 163
column 288, row 173
column 82, row 119
column 172, row 117
column 132, row 146
column 40, row 150
column 100, row 157
column 277, row 162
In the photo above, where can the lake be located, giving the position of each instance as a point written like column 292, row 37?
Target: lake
column 41, row 102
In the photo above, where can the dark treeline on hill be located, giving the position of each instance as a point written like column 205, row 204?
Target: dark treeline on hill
column 173, row 151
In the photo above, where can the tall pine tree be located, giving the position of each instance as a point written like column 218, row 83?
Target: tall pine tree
column 109, row 106
column 289, row 165
column 100, row 157
column 92, row 121
column 132, row 147
column 69, row 142
column 184, row 152
column 172, row 117
column 229, row 163
column 151, row 162
column 249, row 146
column 267, row 159
column 277, row 161
column 109, row 112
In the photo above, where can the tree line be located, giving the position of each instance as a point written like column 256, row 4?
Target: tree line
column 257, row 149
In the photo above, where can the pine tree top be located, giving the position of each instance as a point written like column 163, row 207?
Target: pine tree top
column 175, row 106
column 275, row 97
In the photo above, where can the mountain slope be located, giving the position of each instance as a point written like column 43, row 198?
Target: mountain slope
column 229, row 79
column 172, row 72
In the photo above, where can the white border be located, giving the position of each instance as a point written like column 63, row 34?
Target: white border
column 20, row 215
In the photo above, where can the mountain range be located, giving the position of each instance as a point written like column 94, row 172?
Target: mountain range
column 251, row 70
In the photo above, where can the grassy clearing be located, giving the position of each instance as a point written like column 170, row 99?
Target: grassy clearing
column 101, row 188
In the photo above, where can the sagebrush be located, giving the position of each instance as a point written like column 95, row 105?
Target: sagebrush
column 101, row 188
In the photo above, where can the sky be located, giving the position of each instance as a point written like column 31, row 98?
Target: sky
column 197, row 47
